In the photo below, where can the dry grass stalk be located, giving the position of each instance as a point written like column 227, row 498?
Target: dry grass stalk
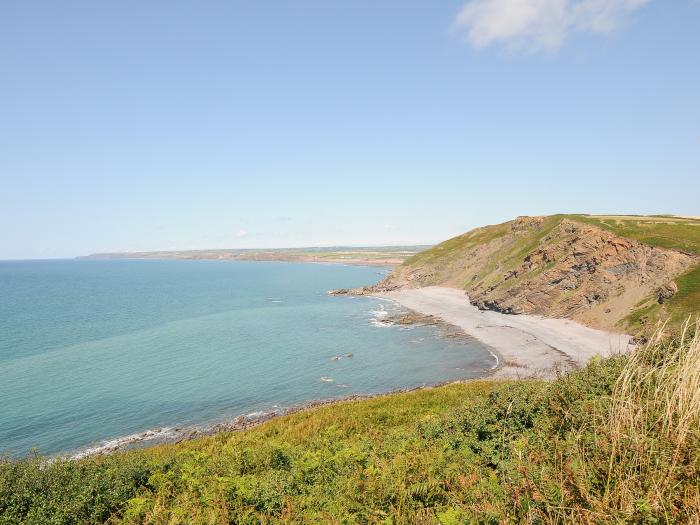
column 654, row 416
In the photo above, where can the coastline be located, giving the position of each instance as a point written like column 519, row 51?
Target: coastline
column 526, row 346
column 370, row 263
column 174, row 435
column 387, row 256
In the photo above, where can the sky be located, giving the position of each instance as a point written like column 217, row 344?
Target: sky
column 131, row 125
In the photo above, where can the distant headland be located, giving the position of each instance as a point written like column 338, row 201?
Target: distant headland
column 364, row 255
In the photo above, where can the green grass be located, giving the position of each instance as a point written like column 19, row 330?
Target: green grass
column 687, row 299
column 456, row 246
column 659, row 231
column 513, row 255
column 445, row 258
column 575, row 450
column 532, row 241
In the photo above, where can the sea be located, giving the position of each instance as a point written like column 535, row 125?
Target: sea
column 96, row 352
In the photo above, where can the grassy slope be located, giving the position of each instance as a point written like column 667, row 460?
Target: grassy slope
column 457, row 245
column 446, row 259
column 483, row 452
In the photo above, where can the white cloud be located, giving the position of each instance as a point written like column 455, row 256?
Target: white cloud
column 539, row 24
column 241, row 233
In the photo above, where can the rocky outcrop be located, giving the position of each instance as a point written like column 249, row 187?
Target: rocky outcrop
column 585, row 272
column 667, row 291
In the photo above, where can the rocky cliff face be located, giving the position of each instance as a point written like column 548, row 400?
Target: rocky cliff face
column 555, row 267
column 583, row 272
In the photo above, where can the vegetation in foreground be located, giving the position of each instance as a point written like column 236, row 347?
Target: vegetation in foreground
column 617, row 442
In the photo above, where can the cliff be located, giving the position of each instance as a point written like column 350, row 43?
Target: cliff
column 567, row 266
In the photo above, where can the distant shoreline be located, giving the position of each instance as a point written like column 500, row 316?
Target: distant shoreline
column 364, row 256
column 349, row 262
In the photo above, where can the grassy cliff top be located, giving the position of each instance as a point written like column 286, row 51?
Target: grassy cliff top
column 663, row 231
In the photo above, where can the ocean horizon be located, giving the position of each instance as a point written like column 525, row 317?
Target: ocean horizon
column 93, row 351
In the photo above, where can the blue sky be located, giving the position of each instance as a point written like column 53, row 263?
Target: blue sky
column 172, row 125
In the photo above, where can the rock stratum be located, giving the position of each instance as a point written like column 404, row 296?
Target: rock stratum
column 560, row 266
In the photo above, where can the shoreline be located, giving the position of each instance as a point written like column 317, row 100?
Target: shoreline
column 174, row 435
column 526, row 346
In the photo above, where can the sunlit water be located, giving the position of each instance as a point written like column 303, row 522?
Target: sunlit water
column 94, row 350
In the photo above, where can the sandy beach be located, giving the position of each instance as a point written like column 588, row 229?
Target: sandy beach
column 525, row 345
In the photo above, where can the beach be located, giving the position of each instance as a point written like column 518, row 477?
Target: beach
column 525, row 345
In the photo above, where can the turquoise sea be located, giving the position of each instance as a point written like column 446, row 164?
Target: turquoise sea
column 94, row 350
